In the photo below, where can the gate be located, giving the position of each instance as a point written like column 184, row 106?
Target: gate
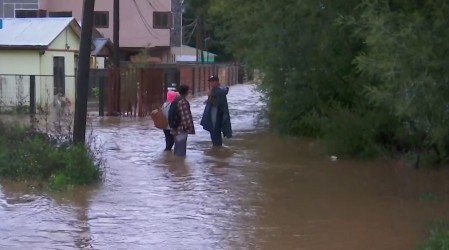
column 137, row 91
column 151, row 90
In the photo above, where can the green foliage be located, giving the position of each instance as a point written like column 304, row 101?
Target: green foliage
column 364, row 76
column 96, row 92
column 427, row 196
column 141, row 60
column 406, row 55
column 351, row 133
column 438, row 238
column 195, row 19
column 35, row 156
column 59, row 181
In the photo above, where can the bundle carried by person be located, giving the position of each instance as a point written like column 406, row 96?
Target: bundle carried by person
column 160, row 115
column 159, row 119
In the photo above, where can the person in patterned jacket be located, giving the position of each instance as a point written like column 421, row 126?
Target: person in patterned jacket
column 186, row 127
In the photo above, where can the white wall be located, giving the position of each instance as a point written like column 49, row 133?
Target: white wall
column 32, row 62
column 15, row 68
column 65, row 45
column 19, row 62
column 14, row 90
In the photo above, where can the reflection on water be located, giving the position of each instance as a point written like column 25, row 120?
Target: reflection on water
column 257, row 192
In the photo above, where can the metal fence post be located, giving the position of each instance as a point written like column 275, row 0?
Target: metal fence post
column 101, row 83
column 33, row 94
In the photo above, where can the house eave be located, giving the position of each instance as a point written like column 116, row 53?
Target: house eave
column 24, row 47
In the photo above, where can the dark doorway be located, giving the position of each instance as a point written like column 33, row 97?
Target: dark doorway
column 58, row 75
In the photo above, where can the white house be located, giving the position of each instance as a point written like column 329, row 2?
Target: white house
column 188, row 54
column 44, row 47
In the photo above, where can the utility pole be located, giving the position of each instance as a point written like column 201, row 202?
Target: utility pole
column 116, row 38
column 202, row 37
column 82, row 75
column 181, row 37
column 199, row 36
column 116, row 35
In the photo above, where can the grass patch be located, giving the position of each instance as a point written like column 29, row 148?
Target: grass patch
column 46, row 159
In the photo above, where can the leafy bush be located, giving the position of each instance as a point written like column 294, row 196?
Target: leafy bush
column 40, row 157
column 351, row 133
column 438, row 238
column 364, row 76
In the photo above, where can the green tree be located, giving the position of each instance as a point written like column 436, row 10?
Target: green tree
column 406, row 56
column 306, row 58
column 363, row 76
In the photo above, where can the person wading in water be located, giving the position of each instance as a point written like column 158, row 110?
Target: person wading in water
column 180, row 131
column 216, row 117
column 169, row 139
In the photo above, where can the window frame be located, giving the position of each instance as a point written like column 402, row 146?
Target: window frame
column 100, row 14
column 38, row 13
column 158, row 19
column 60, row 14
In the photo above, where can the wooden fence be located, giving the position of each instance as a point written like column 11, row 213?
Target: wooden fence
column 196, row 75
column 137, row 91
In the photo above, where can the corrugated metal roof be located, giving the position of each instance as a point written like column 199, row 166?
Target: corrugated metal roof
column 99, row 44
column 31, row 32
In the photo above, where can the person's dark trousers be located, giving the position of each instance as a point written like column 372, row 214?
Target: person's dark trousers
column 215, row 135
column 169, row 140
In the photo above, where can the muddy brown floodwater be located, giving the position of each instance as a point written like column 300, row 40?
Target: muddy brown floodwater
column 258, row 192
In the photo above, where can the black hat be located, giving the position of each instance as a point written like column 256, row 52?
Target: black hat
column 213, row 78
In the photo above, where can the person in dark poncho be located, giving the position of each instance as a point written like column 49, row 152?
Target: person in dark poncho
column 216, row 117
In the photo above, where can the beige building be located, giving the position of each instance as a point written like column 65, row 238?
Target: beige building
column 144, row 24
column 44, row 47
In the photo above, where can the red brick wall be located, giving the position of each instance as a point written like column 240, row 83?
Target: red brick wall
column 197, row 79
column 186, row 75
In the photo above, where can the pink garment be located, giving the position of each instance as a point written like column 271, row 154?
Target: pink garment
column 171, row 95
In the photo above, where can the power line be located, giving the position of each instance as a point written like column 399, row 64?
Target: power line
column 147, row 26
column 193, row 30
column 190, row 24
column 152, row 6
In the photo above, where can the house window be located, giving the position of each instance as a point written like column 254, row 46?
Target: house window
column 101, row 19
column 30, row 13
column 162, row 20
column 60, row 14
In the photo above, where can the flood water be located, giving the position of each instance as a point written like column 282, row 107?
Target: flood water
column 260, row 191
